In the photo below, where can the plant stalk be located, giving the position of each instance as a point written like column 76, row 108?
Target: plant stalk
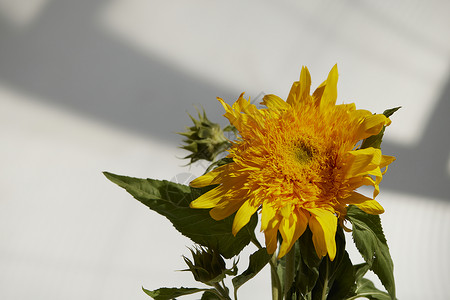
column 222, row 291
column 277, row 293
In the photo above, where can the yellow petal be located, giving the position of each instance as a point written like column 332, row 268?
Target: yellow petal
column 267, row 215
column 294, row 96
column 386, row 160
column 208, row 178
column 371, row 125
column 274, row 102
column 291, row 228
column 360, row 161
column 317, row 95
column 233, row 114
column 323, row 224
column 318, row 237
column 271, row 239
column 210, row 198
column 243, row 216
column 330, row 92
column 355, row 198
column 359, row 181
column 305, row 83
column 300, row 89
column 225, row 208
column 371, row 207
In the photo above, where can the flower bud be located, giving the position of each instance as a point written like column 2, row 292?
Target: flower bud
column 207, row 266
column 205, row 139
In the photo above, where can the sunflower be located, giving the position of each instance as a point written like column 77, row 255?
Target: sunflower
column 299, row 162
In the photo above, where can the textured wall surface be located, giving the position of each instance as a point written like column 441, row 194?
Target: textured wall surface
column 88, row 86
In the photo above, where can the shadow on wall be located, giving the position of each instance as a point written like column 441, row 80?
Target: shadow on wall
column 422, row 170
column 66, row 59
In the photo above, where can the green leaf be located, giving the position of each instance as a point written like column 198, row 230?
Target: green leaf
column 257, row 262
column 370, row 240
column 391, row 111
column 375, row 140
column 344, row 278
column 367, row 289
column 308, row 264
column 360, row 270
column 337, row 277
column 172, row 201
column 171, row 293
column 280, row 267
column 210, row 296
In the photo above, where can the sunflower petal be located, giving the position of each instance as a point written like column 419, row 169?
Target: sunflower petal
column 271, row 239
column 291, row 229
column 209, row 178
column 225, row 208
column 300, row 90
column 355, row 198
column 360, row 161
column 386, row 160
column 210, row 198
column 267, row 215
column 243, row 215
column 330, row 92
column 274, row 102
column 323, row 224
column 371, row 207
column 371, row 125
column 305, row 84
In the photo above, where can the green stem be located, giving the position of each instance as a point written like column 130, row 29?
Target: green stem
column 325, row 283
column 289, row 271
column 277, row 293
column 222, row 291
column 255, row 241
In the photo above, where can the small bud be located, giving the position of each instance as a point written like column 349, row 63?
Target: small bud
column 205, row 139
column 208, row 266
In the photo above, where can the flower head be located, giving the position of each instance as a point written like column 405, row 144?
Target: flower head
column 299, row 163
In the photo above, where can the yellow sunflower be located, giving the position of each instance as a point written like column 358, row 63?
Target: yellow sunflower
column 298, row 160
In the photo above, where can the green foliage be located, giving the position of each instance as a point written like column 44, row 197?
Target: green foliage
column 375, row 140
column 208, row 266
column 325, row 279
column 171, row 293
column 391, row 111
column 337, row 277
column 370, row 240
column 257, row 262
column 367, row 289
column 172, row 201
column 307, row 263
column 208, row 295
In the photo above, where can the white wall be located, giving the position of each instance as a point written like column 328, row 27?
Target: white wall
column 88, row 86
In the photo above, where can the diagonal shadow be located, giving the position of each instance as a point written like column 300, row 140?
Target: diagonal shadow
column 422, row 170
column 65, row 58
